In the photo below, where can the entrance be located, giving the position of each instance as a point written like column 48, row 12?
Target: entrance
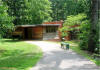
column 27, row 33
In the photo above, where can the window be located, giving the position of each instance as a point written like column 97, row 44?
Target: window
column 51, row 29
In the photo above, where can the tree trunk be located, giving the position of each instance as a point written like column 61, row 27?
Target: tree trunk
column 94, row 20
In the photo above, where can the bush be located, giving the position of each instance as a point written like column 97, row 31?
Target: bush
column 84, row 35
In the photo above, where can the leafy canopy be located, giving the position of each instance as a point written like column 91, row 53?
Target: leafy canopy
column 73, row 20
column 5, row 20
column 18, row 9
column 29, row 11
column 39, row 11
column 63, row 8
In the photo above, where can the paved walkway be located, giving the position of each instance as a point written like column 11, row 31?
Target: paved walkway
column 55, row 58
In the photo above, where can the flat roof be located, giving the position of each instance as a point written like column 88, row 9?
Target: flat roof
column 37, row 25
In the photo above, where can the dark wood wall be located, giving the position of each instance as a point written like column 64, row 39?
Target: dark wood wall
column 37, row 32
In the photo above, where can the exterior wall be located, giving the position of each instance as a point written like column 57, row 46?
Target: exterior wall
column 37, row 32
column 58, row 34
column 18, row 32
column 32, row 32
column 48, row 36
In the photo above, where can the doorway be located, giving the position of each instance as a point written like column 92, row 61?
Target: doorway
column 27, row 33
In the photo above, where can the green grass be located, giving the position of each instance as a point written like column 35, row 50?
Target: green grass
column 18, row 55
column 74, row 46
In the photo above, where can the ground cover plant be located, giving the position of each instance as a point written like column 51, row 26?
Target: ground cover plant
column 18, row 55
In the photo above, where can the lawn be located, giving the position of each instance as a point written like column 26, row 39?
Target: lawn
column 18, row 55
column 74, row 46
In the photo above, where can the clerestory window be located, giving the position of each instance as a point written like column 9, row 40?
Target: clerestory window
column 51, row 29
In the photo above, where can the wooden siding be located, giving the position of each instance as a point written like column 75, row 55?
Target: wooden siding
column 18, row 31
column 37, row 32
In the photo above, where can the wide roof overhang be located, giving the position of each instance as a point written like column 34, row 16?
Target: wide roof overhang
column 37, row 25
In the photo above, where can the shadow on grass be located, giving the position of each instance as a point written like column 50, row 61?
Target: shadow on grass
column 18, row 60
column 11, row 40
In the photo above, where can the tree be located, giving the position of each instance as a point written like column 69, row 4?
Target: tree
column 5, row 20
column 39, row 11
column 89, row 35
column 29, row 11
column 18, row 9
column 94, row 35
column 63, row 8
column 73, row 23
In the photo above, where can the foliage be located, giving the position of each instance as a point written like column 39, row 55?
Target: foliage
column 63, row 8
column 84, row 35
column 80, row 26
column 6, row 24
column 89, row 32
column 73, row 22
column 29, row 11
column 18, row 55
column 18, row 9
column 39, row 11
column 75, row 19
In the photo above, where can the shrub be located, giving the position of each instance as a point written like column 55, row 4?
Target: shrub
column 84, row 34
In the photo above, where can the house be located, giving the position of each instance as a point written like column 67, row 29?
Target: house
column 45, row 31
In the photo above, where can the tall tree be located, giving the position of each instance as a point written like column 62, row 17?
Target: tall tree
column 18, row 9
column 5, row 20
column 94, row 21
column 39, row 11
column 29, row 11
column 63, row 8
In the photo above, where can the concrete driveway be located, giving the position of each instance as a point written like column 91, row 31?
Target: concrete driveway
column 55, row 58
